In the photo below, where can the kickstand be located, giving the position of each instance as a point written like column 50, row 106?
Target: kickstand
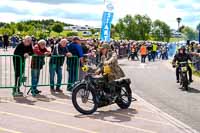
column 29, row 91
column 134, row 99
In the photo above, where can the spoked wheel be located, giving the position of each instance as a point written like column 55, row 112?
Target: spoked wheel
column 84, row 100
column 185, row 82
column 125, row 98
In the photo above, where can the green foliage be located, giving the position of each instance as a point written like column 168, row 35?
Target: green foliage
column 190, row 33
column 72, row 34
column 161, row 31
column 57, row 28
column 139, row 27
column 38, row 28
column 198, row 26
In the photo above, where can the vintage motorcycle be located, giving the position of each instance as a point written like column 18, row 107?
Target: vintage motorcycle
column 94, row 92
column 184, row 81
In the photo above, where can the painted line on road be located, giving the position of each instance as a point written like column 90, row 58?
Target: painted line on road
column 47, row 122
column 135, row 117
column 59, row 101
column 71, row 114
column 180, row 125
column 8, row 130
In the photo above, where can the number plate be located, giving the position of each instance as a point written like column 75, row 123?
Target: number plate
column 184, row 69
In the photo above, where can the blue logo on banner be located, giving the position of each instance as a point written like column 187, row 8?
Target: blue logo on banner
column 106, row 26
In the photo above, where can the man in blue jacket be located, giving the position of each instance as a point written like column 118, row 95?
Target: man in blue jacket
column 75, row 61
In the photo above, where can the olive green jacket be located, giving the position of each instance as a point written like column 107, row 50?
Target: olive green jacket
column 111, row 60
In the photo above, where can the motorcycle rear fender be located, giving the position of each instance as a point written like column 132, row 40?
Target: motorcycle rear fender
column 124, row 81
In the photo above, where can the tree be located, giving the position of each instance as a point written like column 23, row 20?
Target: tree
column 161, row 31
column 20, row 27
column 181, row 28
column 126, row 28
column 143, row 26
column 72, row 34
column 134, row 28
column 198, row 26
column 57, row 28
column 190, row 33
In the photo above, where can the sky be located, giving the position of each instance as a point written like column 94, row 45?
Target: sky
column 89, row 12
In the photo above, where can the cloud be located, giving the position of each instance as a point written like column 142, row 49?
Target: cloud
column 8, row 9
column 90, row 11
column 60, row 13
column 67, row 1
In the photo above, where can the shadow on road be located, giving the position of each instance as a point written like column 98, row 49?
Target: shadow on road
column 44, row 98
column 60, row 95
column 24, row 100
column 191, row 90
column 112, row 115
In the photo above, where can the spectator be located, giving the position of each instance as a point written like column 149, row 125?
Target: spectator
column 1, row 41
column 13, row 41
column 37, row 63
column 56, row 63
column 143, row 52
column 23, row 50
column 149, row 48
column 6, row 41
column 76, row 50
column 154, row 51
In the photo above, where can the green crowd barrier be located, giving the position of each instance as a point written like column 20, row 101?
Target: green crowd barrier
column 38, row 71
column 11, row 71
column 54, row 71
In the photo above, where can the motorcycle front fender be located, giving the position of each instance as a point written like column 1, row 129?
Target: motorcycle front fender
column 78, row 83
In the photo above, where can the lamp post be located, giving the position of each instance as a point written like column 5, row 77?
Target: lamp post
column 179, row 21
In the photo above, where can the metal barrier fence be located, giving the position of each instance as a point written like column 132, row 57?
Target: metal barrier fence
column 10, row 71
column 122, row 52
column 51, row 71
column 38, row 71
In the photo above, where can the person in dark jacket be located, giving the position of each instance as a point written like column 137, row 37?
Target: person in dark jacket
column 182, row 56
column 1, row 41
column 73, row 63
column 22, row 51
column 59, row 53
column 6, row 41
column 37, row 63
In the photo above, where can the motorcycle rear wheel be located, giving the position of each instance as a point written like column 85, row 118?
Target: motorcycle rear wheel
column 125, row 98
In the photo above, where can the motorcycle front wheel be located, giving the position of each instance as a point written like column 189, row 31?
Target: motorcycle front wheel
column 84, row 100
column 185, row 82
column 125, row 98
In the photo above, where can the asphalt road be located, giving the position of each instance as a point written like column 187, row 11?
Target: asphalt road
column 156, row 83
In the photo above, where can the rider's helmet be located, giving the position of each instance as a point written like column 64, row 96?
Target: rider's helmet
column 105, row 46
column 182, row 48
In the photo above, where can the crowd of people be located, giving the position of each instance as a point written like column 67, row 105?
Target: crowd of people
column 150, row 50
column 86, row 50
column 58, row 50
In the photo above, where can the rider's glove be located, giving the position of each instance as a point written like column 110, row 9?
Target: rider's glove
column 85, row 68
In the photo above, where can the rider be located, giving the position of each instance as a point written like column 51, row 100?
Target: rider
column 182, row 56
column 109, row 57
